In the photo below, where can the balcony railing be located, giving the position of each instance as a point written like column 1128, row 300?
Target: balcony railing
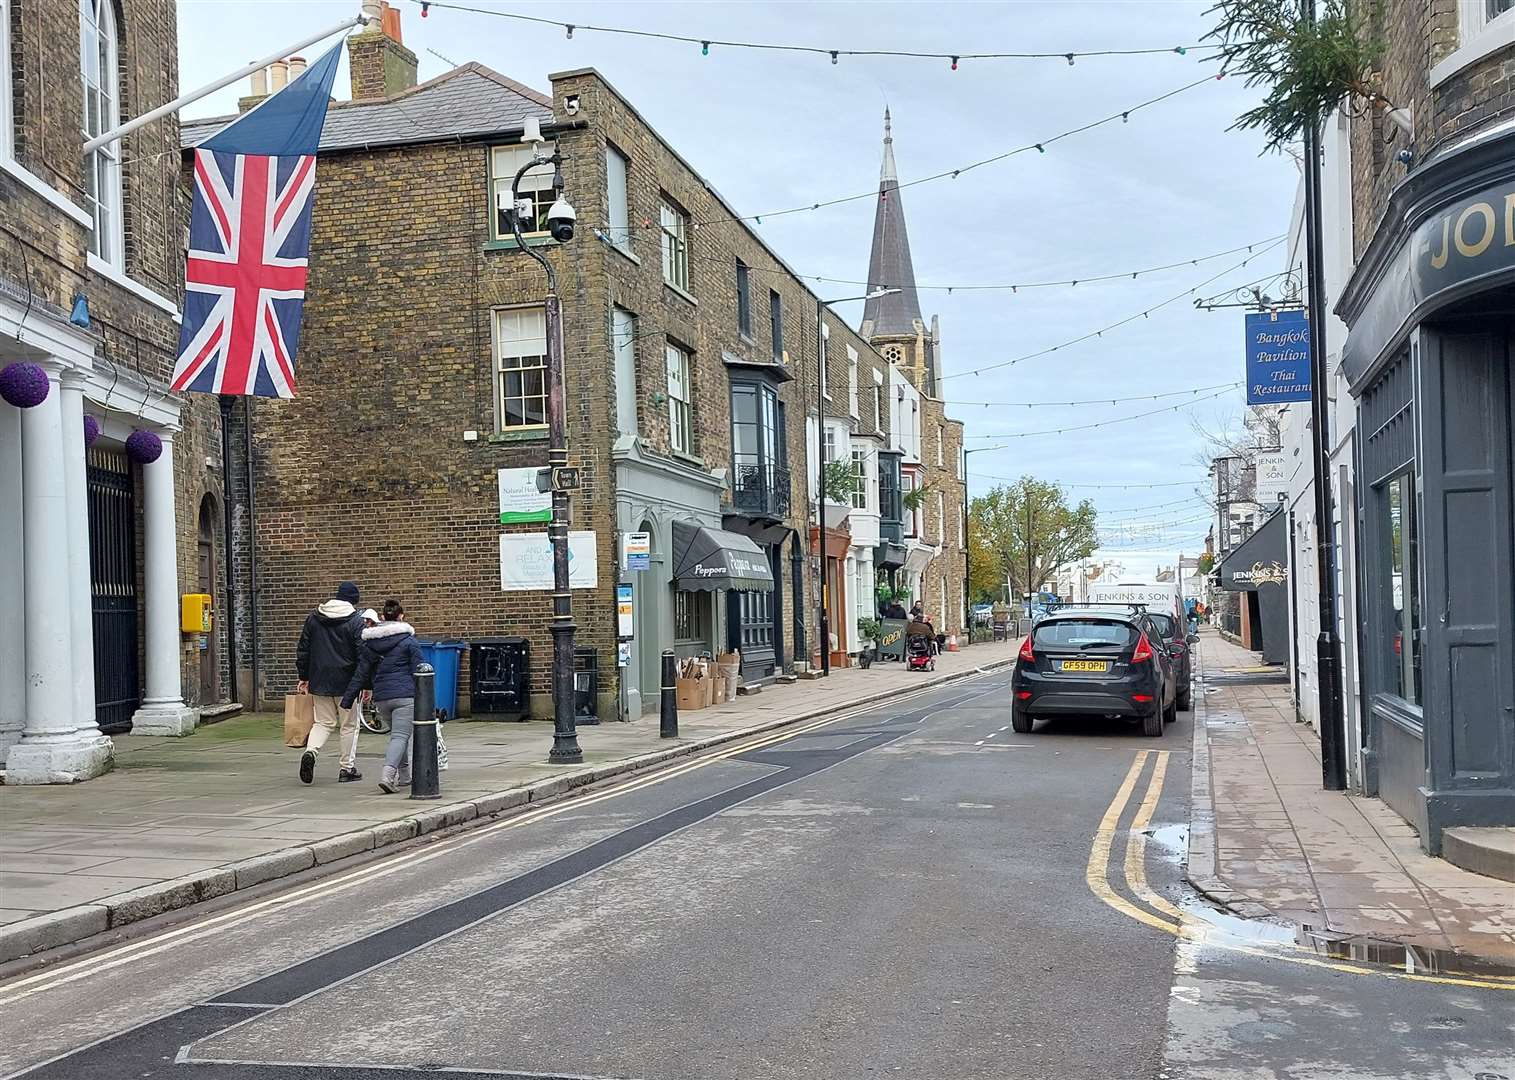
column 760, row 488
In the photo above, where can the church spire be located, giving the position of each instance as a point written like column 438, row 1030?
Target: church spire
column 889, row 266
column 888, row 173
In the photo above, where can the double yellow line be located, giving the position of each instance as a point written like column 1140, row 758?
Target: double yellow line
column 1158, row 912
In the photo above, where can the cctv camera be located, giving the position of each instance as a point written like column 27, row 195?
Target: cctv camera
column 560, row 221
column 1406, row 157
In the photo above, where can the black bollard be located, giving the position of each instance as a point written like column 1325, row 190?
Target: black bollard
column 668, row 727
column 425, row 779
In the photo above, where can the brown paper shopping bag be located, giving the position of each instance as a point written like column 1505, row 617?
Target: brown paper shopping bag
column 299, row 718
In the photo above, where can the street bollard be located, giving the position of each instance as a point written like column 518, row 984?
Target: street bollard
column 668, row 727
column 425, row 779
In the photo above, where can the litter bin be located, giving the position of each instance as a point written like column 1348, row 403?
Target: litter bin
column 498, row 672
column 445, row 657
column 586, row 684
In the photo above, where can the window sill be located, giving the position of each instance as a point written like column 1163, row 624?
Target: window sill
column 524, row 434
column 687, row 459
column 28, row 179
column 1491, row 38
column 114, row 273
column 509, row 242
column 622, row 252
column 680, row 293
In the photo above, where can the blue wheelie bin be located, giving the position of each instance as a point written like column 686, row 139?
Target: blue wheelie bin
column 445, row 657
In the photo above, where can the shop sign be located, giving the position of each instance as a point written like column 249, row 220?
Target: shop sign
column 1278, row 357
column 1469, row 238
column 637, row 547
column 521, row 501
column 526, row 561
column 1272, row 477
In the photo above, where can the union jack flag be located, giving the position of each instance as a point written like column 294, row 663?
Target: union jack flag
column 249, row 244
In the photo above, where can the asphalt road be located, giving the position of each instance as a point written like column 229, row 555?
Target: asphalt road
column 912, row 890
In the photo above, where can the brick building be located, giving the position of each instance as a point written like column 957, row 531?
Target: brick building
column 690, row 361
column 1429, row 308
column 100, row 547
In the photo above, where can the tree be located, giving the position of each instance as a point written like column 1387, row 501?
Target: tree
column 986, row 581
column 1029, row 531
column 1307, row 69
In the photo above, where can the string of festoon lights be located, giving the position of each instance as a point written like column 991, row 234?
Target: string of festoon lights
column 1017, row 286
column 1090, row 427
column 1090, row 401
column 1103, row 330
column 835, row 54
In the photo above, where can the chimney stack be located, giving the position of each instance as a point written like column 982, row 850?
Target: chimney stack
column 377, row 59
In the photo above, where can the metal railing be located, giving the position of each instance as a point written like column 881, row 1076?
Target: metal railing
column 760, row 487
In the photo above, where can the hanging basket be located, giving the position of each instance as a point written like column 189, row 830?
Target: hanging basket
column 23, row 384
column 91, row 430
column 144, row 447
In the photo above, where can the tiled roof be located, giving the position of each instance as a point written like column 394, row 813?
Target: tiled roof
column 467, row 102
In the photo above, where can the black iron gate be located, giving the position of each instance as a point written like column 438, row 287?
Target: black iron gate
column 113, row 585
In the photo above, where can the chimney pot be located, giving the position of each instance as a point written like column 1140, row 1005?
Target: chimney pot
column 278, row 76
column 260, row 83
column 296, row 67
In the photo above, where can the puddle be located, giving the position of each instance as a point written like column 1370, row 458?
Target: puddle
column 1170, row 843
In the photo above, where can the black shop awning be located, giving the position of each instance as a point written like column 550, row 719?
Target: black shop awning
column 709, row 559
column 1261, row 559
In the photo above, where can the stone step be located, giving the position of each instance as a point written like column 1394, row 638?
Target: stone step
column 1490, row 852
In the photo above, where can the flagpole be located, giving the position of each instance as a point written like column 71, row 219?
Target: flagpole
column 182, row 100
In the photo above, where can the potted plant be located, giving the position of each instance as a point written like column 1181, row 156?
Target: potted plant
column 868, row 630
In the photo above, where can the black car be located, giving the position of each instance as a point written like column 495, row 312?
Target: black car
column 1177, row 639
column 1105, row 662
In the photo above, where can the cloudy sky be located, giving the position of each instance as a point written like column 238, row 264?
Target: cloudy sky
column 774, row 130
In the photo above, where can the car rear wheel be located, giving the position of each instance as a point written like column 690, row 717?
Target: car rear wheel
column 1152, row 726
column 1020, row 722
column 1185, row 700
column 1170, row 714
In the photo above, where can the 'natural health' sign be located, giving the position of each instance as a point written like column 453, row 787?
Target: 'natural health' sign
column 1278, row 358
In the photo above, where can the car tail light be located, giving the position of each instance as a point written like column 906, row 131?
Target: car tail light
column 1023, row 695
column 1143, row 698
column 1143, row 651
column 1026, row 654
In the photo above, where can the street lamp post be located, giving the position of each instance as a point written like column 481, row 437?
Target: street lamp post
column 823, row 595
column 565, row 738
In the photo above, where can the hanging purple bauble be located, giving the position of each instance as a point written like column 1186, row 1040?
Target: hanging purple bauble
column 91, row 430
column 23, row 385
column 144, row 447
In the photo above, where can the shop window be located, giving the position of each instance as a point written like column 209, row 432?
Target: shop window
column 691, row 617
column 1402, row 645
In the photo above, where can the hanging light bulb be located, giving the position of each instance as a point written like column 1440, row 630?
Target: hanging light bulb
column 1181, row 50
column 1070, row 59
column 1125, row 118
column 425, row 8
column 569, row 28
column 704, row 48
column 1040, row 149
column 954, row 63
column 833, row 56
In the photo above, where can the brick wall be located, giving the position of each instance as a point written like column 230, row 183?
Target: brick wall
column 1417, row 34
column 46, row 250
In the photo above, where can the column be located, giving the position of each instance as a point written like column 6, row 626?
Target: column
column 163, row 711
column 52, row 749
column 12, row 582
column 76, row 498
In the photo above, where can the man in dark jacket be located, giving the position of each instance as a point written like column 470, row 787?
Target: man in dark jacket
column 326, row 658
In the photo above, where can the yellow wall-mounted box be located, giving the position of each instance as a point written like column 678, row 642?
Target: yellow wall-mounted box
column 194, row 613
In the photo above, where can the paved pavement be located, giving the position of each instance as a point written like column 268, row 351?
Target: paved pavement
column 1271, row 843
column 908, row 891
column 169, row 823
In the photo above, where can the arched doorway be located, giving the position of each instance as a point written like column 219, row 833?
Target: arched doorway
column 207, row 566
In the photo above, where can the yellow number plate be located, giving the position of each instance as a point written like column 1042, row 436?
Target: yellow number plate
column 1086, row 665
